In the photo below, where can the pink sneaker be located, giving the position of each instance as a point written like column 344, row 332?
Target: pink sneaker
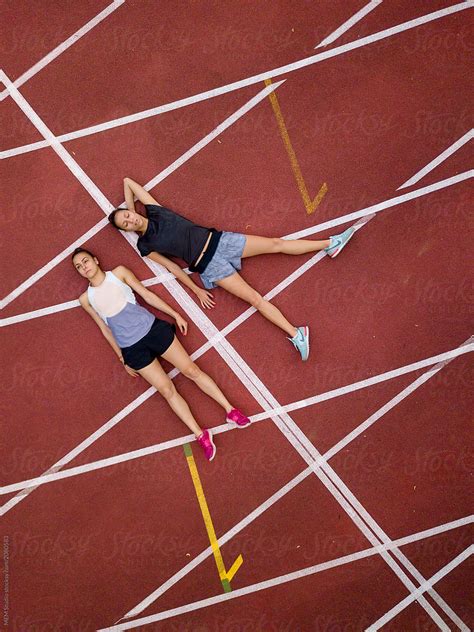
column 237, row 418
column 207, row 444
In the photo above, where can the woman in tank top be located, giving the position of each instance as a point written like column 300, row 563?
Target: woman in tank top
column 138, row 338
column 215, row 255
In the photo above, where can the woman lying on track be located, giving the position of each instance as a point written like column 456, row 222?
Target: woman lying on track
column 137, row 337
column 215, row 255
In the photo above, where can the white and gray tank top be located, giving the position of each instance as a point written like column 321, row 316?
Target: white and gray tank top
column 115, row 303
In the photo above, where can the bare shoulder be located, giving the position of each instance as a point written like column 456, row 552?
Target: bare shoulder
column 120, row 272
column 84, row 300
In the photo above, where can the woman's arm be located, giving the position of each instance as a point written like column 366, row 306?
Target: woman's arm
column 205, row 297
column 132, row 188
column 127, row 276
column 84, row 301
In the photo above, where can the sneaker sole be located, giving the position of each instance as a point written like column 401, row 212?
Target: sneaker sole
column 307, row 341
column 213, row 445
column 233, row 423
column 341, row 247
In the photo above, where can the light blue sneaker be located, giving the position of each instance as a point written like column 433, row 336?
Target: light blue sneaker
column 337, row 242
column 301, row 341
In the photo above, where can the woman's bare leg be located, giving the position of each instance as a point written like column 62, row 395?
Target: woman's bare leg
column 256, row 245
column 236, row 285
column 155, row 375
column 177, row 355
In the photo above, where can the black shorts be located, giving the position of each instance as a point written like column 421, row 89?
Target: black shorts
column 153, row 344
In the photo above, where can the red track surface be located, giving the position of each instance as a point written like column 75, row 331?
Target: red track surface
column 85, row 550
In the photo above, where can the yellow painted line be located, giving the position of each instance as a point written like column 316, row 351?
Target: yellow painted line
column 225, row 576
column 310, row 205
column 235, row 567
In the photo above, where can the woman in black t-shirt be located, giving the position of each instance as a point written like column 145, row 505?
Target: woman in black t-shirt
column 215, row 255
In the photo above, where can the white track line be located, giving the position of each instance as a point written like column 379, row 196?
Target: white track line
column 467, row 347
column 439, row 159
column 282, row 579
column 41, row 272
column 60, row 307
column 47, row 59
column 343, row 219
column 237, row 85
column 53, row 473
column 348, row 24
column 103, row 202
column 423, row 588
column 382, row 206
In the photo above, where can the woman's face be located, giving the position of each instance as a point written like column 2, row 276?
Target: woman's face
column 129, row 220
column 86, row 265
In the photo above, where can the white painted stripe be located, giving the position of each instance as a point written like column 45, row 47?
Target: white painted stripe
column 382, row 206
column 81, row 447
column 348, row 24
column 105, row 205
column 107, row 462
column 39, row 274
column 459, row 559
column 282, row 579
column 55, row 475
column 237, row 85
column 38, row 313
column 376, row 379
column 214, row 134
column 60, row 307
column 47, row 59
column 428, row 533
column 439, row 159
column 386, row 408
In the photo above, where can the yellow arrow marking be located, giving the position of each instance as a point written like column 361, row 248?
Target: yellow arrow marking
column 310, row 205
column 225, row 576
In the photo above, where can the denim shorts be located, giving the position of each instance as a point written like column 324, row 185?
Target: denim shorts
column 225, row 261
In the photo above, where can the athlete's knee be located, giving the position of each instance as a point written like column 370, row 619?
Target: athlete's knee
column 167, row 389
column 191, row 371
column 257, row 301
column 277, row 244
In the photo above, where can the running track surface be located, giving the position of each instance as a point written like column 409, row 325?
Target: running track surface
column 89, row 550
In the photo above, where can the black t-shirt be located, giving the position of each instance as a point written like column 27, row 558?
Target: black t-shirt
column 172, row 235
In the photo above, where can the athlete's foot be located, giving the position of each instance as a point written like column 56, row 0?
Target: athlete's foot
column 207, row 444
column 301, row 341
column 236, row 418
column 337, row 242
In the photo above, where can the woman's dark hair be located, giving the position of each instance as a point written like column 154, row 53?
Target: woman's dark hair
column 112, row 217
column 78, row 250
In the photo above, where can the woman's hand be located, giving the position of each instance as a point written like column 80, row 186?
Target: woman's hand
column 130, row 371
column 182, row 324
column 205, row 298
